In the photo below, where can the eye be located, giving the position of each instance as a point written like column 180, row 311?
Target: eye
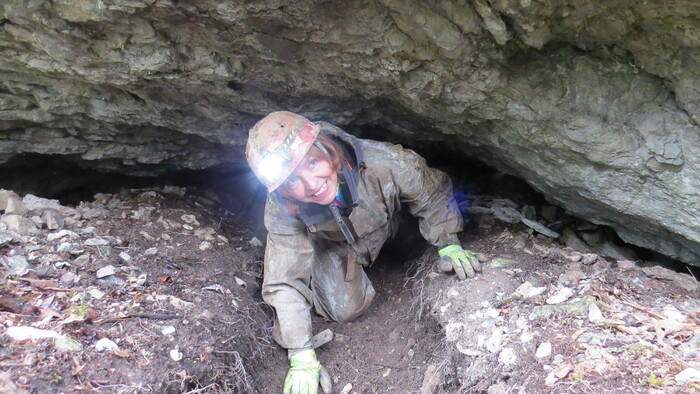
column 291, row 182
column 313, row 162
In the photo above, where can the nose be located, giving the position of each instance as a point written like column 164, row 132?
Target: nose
column 308, row 179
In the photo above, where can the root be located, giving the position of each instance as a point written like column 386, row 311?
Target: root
column 233, row 377
column 416, row 276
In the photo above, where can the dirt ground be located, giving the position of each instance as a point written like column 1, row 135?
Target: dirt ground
column 169, row 282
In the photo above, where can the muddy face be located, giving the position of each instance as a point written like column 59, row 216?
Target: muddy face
column 313, row 181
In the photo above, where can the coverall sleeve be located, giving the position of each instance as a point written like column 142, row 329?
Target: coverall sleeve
column 428, row 194
column 288, row 265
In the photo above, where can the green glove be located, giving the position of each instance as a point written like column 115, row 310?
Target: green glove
column 303, row 375
column 462, row 262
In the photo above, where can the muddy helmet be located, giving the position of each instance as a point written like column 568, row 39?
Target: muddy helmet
column 276, row 145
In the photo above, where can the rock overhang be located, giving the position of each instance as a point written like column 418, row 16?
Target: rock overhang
column 592, row 104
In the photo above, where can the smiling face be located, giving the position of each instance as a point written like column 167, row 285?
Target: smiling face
column 313, row 181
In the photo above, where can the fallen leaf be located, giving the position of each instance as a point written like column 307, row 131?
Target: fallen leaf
column 72, row 318
column 11, row 305
column 40, row 283
column 92, row 314
column 562, row 371
column 48, row 312
column 77, row 367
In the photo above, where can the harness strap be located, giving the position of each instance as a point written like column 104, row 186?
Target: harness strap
column 341, row 223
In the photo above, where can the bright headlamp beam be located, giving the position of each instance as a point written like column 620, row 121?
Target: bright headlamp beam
column 271, row 167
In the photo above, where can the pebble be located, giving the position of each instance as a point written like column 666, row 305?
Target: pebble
column 527, row 290
column 53, row 220
column 191, row 219
column 595, row 315
column 688, row 375
column 69, row 278
column 508, row 357
column 60, row 234
column 95, row 242
column 15, row 206
column 5, row 238
column 67, row 344
column 176, row 355
column 500, row 262
column 106, row 271
column 106, row 344
column 167, row 330
column 544, row 351
column 81, row 260
column 96, row 293
column 150, row 252
column 589, row 258
column 526, row 337
column 560, row 296
column 16, row 265
column 494, row 342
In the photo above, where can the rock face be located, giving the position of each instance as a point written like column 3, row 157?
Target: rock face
column 595, row 103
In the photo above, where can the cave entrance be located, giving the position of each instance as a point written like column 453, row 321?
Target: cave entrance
column 72, row 180
column 391, row 344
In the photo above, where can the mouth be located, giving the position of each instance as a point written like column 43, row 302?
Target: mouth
column 322, row 191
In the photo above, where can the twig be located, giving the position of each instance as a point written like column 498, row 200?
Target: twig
column 58, row 289
column 693, row 275
column 200, row 390
column 665, row 351
column 643, row 309
column 155, row 316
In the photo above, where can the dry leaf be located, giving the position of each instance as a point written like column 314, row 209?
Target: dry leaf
column 11, row 305
column 73, row 318
column 77, row 367
column 40, row 283
column 48, row 312
column 562, row 371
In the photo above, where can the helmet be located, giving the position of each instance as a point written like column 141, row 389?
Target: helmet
column 276, row 145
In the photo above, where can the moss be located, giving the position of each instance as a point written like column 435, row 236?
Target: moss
column 653, row 381
column 79, row 310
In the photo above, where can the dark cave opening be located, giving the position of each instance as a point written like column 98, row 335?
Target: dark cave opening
column 72, row 180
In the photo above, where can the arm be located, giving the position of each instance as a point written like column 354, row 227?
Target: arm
column 288, row 264
column 428, row 193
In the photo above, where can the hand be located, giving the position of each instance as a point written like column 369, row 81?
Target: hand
column 303, row 375
column 463, row 262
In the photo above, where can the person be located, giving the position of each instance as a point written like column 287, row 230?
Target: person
column 333, row 201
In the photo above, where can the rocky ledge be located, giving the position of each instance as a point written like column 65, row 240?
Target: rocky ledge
column 595, row 103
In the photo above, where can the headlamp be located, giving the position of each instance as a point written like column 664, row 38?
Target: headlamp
column 272, row 166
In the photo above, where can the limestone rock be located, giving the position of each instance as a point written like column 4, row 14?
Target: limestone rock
column 19, row 224
column 5, row 196
column 604, row 123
